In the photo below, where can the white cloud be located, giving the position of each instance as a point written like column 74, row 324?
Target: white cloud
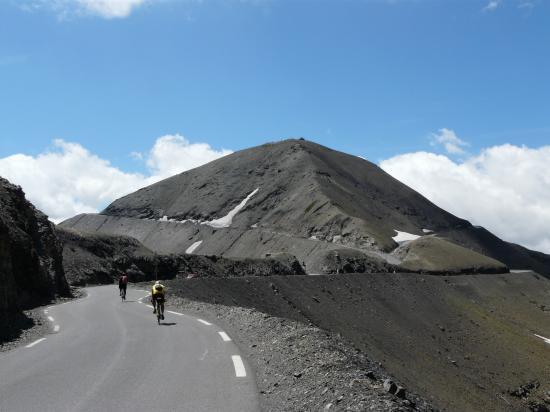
column 526, row 4
column 170, row 152
column 136, row 155
column 492, row 5
column 108, row 9
column 505, row 189
column 450, row 141
column 70, row 179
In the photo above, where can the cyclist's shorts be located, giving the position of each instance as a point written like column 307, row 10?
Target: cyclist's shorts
column 159, row 299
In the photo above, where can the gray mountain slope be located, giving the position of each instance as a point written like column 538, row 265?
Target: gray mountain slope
column 310, row 200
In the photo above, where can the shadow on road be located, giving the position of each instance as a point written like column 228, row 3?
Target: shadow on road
column 168, row 323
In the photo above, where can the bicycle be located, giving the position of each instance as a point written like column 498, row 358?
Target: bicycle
column 160, row 310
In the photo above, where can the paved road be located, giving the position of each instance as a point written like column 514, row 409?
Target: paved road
column 105, row 355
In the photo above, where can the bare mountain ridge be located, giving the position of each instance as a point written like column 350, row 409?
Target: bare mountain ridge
column 310, row 200
column 328, row 193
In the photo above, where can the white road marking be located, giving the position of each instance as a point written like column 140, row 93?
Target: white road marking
column 46, row 312
column 240, row 371
column 56, row 328
column 204, row 354
column 50, row 319
column 175, row 313
column 149, row 306
column 36, row 342
column 225, row 337
column 140, row 300
column 543, row 338
column 204, row 322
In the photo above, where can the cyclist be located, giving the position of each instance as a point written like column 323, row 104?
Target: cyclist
column 158, row 297
column 122, row 284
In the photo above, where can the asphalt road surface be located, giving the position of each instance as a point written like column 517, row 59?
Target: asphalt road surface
column 108, row 355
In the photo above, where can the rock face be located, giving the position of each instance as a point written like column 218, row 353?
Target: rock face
column 293, row 197
column 96, row 258
column 91, row 259
column 31, row 269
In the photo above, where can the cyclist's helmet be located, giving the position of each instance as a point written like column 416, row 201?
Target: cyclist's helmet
column 157, row 282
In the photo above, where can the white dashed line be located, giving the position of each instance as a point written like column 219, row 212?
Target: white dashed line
column 50, row 319
column 240, row 371
column 225, row 337
column 543, row 338
column 30, row 345
column 56, row 328
column 204, row 322
column 175, row 313
column 149, row 306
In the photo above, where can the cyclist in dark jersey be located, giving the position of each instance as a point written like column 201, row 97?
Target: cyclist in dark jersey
column 122, row 284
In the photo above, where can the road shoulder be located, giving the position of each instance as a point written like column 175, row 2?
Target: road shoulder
column 33, row 324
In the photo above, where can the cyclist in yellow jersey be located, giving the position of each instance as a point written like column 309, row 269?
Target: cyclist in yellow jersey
column 158, row 297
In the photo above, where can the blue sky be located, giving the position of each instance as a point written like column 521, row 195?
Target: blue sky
column 374, row 78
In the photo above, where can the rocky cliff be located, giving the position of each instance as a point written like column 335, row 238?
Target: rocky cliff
column 93, row 258
column 31, row 268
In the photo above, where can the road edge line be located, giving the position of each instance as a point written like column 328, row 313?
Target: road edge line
column 225, row 337
column 240, row 371
column 36, row 342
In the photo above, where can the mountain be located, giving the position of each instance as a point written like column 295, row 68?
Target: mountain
column 295, row 197
column 31, row 265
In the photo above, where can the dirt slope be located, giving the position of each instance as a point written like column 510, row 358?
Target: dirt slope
column 465, row 342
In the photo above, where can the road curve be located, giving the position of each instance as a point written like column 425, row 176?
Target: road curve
column 107, row 355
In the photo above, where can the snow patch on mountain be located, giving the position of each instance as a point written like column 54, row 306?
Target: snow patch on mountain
column 404, row 236
column 228, row 219
column 192, row 248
